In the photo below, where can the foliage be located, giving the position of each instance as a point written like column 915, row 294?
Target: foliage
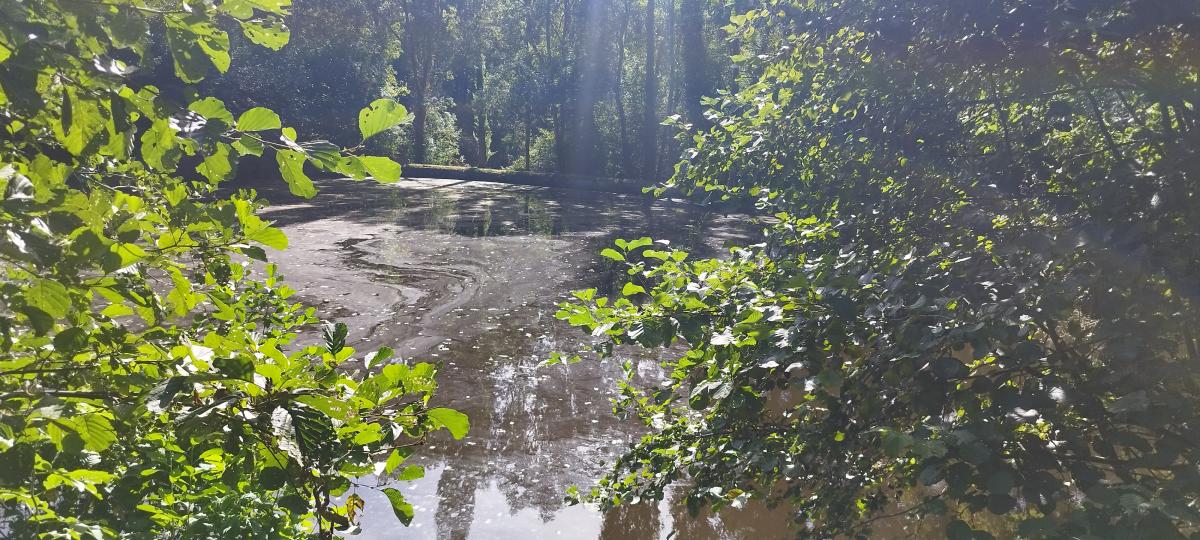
column 340, row 60
column 977, row 282
column 150, row 385
column 506, row 71
column 541, row 152
column 441, row 136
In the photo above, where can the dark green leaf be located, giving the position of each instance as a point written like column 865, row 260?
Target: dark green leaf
column 401, row 507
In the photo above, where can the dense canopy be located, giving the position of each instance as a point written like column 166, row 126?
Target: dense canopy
column 979, row 292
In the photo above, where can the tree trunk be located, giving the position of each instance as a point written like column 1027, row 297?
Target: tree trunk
column 649, row 137
column 671, row 65
column 465, row 120
column 695, row 61
column 420, row 114
column 528, row 133
column 626, row 161
column 481, row 131
column 423, row 26
column 583, row 152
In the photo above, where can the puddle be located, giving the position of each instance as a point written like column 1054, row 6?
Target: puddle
column 468, row 274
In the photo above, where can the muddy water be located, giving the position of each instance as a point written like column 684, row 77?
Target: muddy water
column 468, row 274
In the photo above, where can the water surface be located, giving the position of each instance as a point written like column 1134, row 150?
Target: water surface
column 468, row 274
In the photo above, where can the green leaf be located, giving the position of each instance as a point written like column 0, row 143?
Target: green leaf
column 70, row 340
column 381, row 169
column 630, row 289
column 411, row 472
column 159, row 398
column 248, row 146
column 270, row 237
column 640, row 242
column 159, row 146
column 381, row 355
column 81, row 122
column 127, row 28
column 394, row 460
column 217, row 166
column 612, row 254
column 270, row 33
column 258, row 119
column 454, row 421
column 314, row 433
column 335, row 336
column 291, row 166
column 175, row 194
column 195, row 47
column 129, row 253
column 41, row 321
column 403, row 510
column 323, row 154
column 272, row 478
column 49, row 296
column 236, row 367
column 379, row 116
column 212, row 109
column 96, row 431
column 352, row 167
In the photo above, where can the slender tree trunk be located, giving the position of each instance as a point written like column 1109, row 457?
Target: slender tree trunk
column 466, row 83
column 589, row 82
column 465, row 119
column 649, row 137
column 672, row 73
column 560, row 140
column 420, row 114
column 561, row 111
column 695, row 60
column 528, row 135
column 481, row 131
column 626, row 163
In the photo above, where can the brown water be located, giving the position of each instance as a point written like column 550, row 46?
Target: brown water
column 468, row 274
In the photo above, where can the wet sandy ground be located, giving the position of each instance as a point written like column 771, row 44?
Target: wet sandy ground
column 469, row 274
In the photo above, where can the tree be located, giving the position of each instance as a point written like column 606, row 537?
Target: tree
column 977, row 289
column 151, row 382
column 696, row 75
column 423, row 26
column 466, row 85
column 650, row 119
column 589, row 73
column 320, row 85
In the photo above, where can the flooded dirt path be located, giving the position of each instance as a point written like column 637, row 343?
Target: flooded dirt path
column 468, row 274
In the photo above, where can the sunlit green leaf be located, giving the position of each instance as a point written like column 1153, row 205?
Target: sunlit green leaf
column 258, row 119
column 291, row 166
column 454, row 421
column 381, row 169
column 381, row 115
